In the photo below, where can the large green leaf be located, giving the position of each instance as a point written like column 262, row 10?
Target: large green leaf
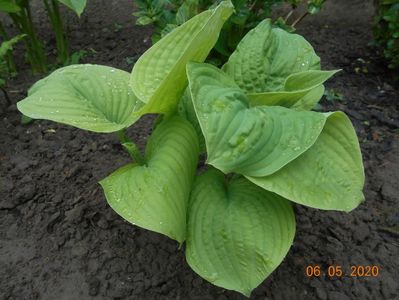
column 254, row 141
column 297, row 86
column 275, row 67
column 9, row 6
column 77, row 6
column 237, row 233
column 329, row 175
column 90, row 97
column 267, row 56
column 155, row 196
column 159, row 77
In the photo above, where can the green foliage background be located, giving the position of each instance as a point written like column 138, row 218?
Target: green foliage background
column 166, row 15
column 386, row 30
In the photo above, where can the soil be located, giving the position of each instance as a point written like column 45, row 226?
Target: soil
column 60, row 240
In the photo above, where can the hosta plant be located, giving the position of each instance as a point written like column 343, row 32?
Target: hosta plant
column 265, row 148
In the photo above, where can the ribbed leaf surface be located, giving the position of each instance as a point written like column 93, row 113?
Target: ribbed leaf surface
column 159, row 77
column 266, row 56
column 155, row 196
column 301, row 90
column 237, row 233
column 90, row 97
column 329, row 175
column 253, row 141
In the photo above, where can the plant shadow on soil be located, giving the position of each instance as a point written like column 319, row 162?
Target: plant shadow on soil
column 60, row 240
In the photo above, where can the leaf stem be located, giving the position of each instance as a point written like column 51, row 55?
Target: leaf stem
column 130, row 147
column 8, row 100
column 288, row 15
column 53, row 11
column 299, row 19
column 39, row 51
column 252, row 7
column 35, row 52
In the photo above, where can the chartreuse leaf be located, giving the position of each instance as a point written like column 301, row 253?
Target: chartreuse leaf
column 296, row 87
column 237, row 232
column 90, row 97
column 155, row 196
column 255, row 141
column 187, row 111
column 329, row 175
column 275, row 67
column 266, row 56
column 309, row 101
column 77, row 6
column 159, row 77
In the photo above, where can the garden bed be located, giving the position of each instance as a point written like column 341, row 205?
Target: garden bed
column 60, row 240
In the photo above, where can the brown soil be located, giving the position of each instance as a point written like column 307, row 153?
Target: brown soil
column 60, row 240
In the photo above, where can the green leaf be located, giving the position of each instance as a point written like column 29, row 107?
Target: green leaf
column 314, row 6
column 25, row 120
column 296, row 87
column 237, row 233
column 329, row 175
column 144, row 20
column 77, row 6
column 8, row 45
column 183, row 13
column 155, row 196
column 159, row 78
column 187, row 111
column 267, row 56
column 309, row 101
column 255, row 141
column 307, row 80
column 90, row 97
column 168, row 29
column 8, row 6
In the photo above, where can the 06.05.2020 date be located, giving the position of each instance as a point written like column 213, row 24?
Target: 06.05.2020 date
column 338, row 271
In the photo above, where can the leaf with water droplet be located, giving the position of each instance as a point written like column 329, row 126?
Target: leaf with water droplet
column 237, row 233
column 159, row 77
column 154, row 196
column 255, row 141
column 79, row 96
column 329, row 175
column 301, row 91
column 268, row 60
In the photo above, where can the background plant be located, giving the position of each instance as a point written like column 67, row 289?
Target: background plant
column 54, row 14
column 265, row 148
column 21, row 14
column 7, row 64
column 166, row 15
column 386, row 30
